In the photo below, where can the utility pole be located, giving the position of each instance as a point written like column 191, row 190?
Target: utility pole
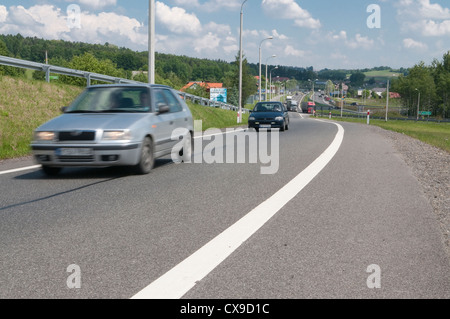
column 151, row 42
column 387, row 101
column 240, row 63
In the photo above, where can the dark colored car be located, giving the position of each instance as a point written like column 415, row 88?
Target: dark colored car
column 269, row 115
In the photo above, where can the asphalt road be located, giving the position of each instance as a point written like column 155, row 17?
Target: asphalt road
column 123, row 232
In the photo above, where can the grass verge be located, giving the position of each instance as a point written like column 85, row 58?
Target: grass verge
column 215, row 117
column 436, row 134
column 24, row 105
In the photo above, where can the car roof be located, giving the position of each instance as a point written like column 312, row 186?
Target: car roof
column 129, row 85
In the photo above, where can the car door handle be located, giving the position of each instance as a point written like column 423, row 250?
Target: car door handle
column 171, row 122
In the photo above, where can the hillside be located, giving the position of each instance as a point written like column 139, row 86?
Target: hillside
column 24, row 105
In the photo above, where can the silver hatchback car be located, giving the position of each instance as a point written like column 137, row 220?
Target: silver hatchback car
column 116, row 125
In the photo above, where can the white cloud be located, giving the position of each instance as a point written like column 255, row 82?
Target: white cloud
column 3, row 13
column 97, row 4
column 209, row 42
column 289, row 9
column 412, row 44
column 360, row 42
column 290, row 50
column 276, row 35
column 432, row 28
column 176, row 19
column 211, row 5
column 49, row 22
column 44, row 21
column 422, row 16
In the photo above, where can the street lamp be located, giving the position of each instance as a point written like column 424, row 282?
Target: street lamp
column 268, row 38
column 240, row 63
column 418, row 104
column 151, row 42
column 273, row 56
column 313, row 88
column 271, row 81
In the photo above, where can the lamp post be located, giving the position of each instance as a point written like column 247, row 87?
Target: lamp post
column 273, row 56
column 268, row 38
column 240, row 63
column 418, row 104
column 271, row 81
column 151, row 42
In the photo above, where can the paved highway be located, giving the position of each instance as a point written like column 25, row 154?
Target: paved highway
column 359, row 226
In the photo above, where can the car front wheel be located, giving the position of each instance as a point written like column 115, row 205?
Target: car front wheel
column 147, row 158
column 51, row 171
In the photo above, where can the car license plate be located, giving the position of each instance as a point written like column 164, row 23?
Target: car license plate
column 265, row 126
column 74, row 152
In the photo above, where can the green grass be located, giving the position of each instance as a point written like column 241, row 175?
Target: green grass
column 24, row 105
column 215, row 117
column 382, row 74
column 436, row 134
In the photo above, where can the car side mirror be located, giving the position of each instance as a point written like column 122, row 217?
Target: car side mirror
column 63, row 109
column 164, row 109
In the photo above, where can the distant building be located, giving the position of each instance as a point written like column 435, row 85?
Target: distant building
column 379, row 91
column 280, row 79
column 207, row 85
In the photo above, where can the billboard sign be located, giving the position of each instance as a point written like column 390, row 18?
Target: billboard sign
column 218, row 95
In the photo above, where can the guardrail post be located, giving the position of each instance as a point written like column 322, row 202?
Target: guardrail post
column 88, row 79
column 46, row 69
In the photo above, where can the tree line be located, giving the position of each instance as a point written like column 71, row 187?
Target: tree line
column 431, row 81
column 426, row 87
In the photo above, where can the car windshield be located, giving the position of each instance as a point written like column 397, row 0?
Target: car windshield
column 112, row 99
column 268, row 107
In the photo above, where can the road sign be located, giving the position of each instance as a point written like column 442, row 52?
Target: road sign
column 424, row 113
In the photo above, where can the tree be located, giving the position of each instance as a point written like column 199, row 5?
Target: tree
column 8, row 70
column 88, row 62
column 248, row 81
column 419, row 80
column 357, row 79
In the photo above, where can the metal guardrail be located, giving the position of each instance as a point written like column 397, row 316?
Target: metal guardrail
column 89, row 76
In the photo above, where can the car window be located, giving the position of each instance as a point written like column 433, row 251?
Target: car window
column 166, row 97
column 269, row 107
column 112, row 99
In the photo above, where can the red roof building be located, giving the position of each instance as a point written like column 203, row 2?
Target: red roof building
column 207, row 85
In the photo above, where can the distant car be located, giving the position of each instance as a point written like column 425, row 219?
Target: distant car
column 354, row 104
column 115, row 125
column 293, row 107
column 269, row 115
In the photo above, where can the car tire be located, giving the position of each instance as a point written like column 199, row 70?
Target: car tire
column 51, row 171
column 287, row 126
column 283, row 127
column 147, row 158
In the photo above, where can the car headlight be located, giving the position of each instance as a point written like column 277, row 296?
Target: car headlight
column 279, row 118
column 116, row 135
column 44, row 136
column 251, row 118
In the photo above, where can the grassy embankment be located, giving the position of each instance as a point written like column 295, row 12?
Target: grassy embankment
column 25, row 104
column 436, row 134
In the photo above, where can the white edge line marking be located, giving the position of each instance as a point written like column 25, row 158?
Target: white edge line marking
column 20, row 169
column 222, row 133
column 184, row 276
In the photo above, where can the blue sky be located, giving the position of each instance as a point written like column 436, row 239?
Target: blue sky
column 320, row 33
